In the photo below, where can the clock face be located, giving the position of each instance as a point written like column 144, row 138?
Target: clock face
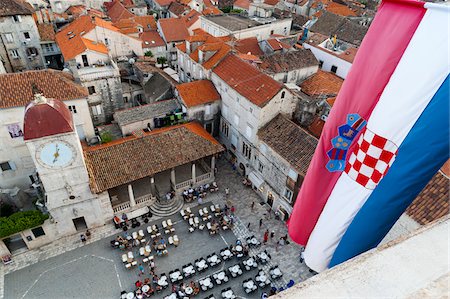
column 56, row 154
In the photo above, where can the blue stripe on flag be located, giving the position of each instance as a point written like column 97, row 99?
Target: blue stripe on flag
column 424, row 150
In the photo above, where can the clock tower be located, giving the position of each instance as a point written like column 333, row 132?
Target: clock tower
column 55, row 147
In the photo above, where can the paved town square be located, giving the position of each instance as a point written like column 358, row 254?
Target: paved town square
column 96, row 270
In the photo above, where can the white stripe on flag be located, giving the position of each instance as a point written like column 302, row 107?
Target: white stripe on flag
column 421, row 70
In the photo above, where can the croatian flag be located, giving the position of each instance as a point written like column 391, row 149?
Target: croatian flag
column 386, row 136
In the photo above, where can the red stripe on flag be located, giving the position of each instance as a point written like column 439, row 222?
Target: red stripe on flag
column 376, row 60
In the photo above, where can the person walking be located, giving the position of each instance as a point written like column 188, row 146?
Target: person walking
column 269, row 210
column 272, row 234
column 83, row 238
column 248, row 225
column 252, row 206
column 266, row 236
column 227, row 192
column 233, row 209
column 141, row 269
column 88, row 234
column 260, row 223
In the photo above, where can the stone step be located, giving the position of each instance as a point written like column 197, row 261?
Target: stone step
column 164, row 209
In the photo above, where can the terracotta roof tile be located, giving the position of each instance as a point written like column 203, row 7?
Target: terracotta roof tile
column 70, row 39
column 290, row 141
column 191, row 17
column 109, row 165
column 277, row 45
column 173, row 29
column 46, row 32
column 197, row 93
column 331, row 101
column 433, row 201
column 147, row 22
column 178, row 8
column 163, row 3
column 94, row 46
column 249, row 45
column 340, row 9
column 212, row 10
column 247, row 80
column 14, row 7
column 15, row 88
column 118, row 11
column 285, row 62
column 151, row 39
column 245, row 4
column 322, row 83
column 316, row 127
column 271, row 2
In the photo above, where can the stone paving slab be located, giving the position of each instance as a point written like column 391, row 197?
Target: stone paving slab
column 100, row 255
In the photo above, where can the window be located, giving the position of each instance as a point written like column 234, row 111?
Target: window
column 208, row 109
column 49, row 47
column 260, row 167
column 249, row 131
column 26, row 35
column 224, row 110
column 32, row 51
column 283, row 94
column 14, row 53
column 288, row 195
column 72, row 108
column 9, row 37
column 96, row 110
column 225, row 128
column 14, row 130
column 334, row 69
column 250, row 109
column 38, row 232
column 271, row 32
column 236, row 119
column 91, row 89
column 125, row 99
column 17, row 19
column 320, row 63
column 246, row 150
column 8, row 165
column 106, row 41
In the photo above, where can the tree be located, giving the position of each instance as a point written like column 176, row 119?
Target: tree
column 148, row 54
column 161, row 60
column 106, row 137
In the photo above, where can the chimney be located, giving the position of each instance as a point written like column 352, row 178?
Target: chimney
column 188, row 47
column 200, row 56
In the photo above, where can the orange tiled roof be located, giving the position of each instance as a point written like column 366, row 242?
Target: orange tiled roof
column 331, row 101
column 151, row 39
column 247, row 80
column 191, row 17
column 163, row 3
column 46, row 32
column 271, row 2
column 245, row 4
column 147, row 22
column 109, row 165
column 248, row 45
column 249, row 57
column 316, row 127
column 277, row 45
column 322, row 83
column 94, row 46
column 70, row 39
column 339, row 9
column 197, row 93
column 16, row 91
column 173, row 29
column 221, row 49
column 212, row 10
column 433, row 201
column 117, row 11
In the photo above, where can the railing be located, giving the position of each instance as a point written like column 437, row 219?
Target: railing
column 148, row 198
column 121, row 207
column 203, row 177
column 183, row 184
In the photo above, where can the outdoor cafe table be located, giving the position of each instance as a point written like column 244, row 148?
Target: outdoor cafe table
column 130, row 295
column 227, row 252
column 189, row 290
column 238, row 248
column 249, row 284
column 228, row 294
column 250, row 262
column 221, row 275
column 235, row 269
column 207, row 282
column 214, row 258
column 175, row 275
column 145, row 288
column 201, row 264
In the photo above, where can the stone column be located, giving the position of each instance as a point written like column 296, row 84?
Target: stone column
column 131, row 195
column 172, row 177
column 213, row 164
column 152, row 186
column 193, row 173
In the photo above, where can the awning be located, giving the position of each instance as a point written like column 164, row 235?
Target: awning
column 255, row 179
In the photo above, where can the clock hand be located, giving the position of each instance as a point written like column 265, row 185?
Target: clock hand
column 56, row 154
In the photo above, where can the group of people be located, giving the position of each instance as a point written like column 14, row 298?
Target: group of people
column 200, row 192
column 180, row 290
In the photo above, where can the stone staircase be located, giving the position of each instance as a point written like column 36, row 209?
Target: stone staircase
column 164, row 208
